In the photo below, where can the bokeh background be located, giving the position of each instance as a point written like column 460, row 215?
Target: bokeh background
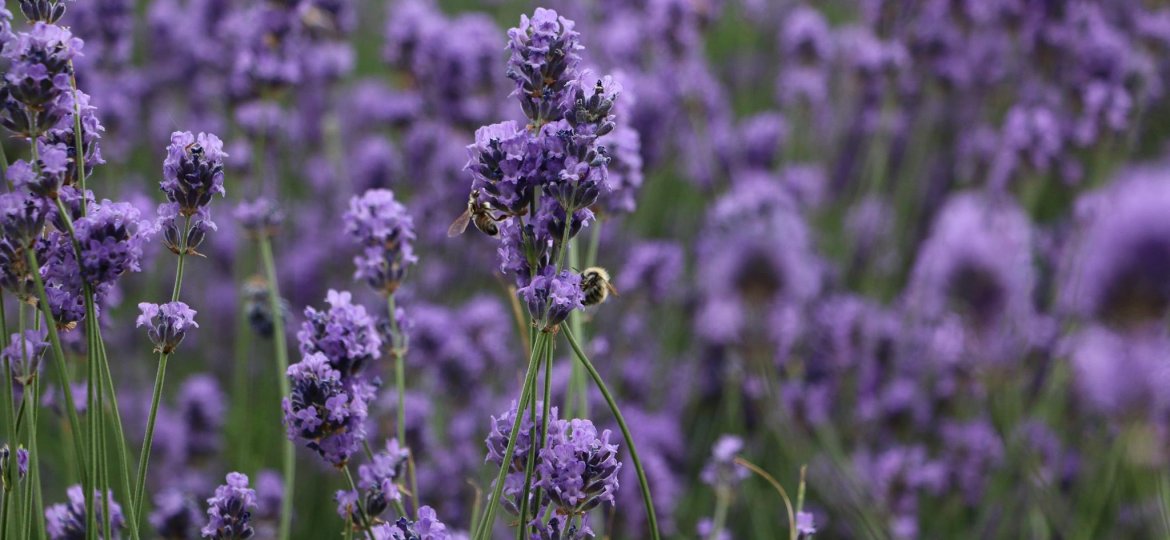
column 920, row 247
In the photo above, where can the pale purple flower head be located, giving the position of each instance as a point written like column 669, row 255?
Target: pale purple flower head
column 23, row 353
column 229, row 511
column 22, row 218
column 721, row 471
column 325, row 412
column 66, row 521
column 345, row 334
column 578, row 468
column 1125, row 375
column 166, row 324
column 260, row 217
column 379, row 479
column 384, row 229
column 504, row 166
column 193, row 170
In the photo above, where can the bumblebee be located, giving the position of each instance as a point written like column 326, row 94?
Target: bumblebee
column 480, row 213
column 596, row 285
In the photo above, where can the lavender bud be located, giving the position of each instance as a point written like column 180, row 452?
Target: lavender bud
column 193, row 170
column 229, row 511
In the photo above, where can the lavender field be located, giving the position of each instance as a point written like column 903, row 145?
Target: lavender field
column 644, row 269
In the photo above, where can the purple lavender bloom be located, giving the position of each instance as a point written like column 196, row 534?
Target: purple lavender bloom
column 378, row 478
column 427, row 527
column 202, row 409
column 805, row 526
column 345, row 334
column 193, row 170
column 166, row 325
column 67, row 521
column 175, row 516
column 23, row 354
column 544, row 57
column 722, row 471
column 62, row 135
column 552, row 297
column 50, row 173
column 40, row 60
column 324, row 412
column 381, row 225
column 1118, row 262
column 111, row 238
column 977, row 265
column 706, row 526
column 561, row 527
column 653, row 268
column 504, row 165
column 578, row 468
column 260, row 217
column 1122, row 375
column 228, row 512
column 22, row 218
column 497, row 445
column 21, row 463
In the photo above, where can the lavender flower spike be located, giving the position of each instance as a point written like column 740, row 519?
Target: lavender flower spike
column 166, row 324
column 193, row 170
column 381, row 225
column 228, row 512
column 578, row 469
column 67, row 521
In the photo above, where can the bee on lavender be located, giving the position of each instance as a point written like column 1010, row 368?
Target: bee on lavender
column 595, row 283
column 480, row 213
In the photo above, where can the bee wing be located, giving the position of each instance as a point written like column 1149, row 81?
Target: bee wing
column 460, row 224
column 612, row 289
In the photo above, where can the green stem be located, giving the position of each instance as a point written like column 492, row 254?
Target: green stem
column 119, row 437
column 529, row 465
column 79, row 147
column 160, row 375
column 148, row 440
column 483, row 530
column 722, row 502
column 8, row 411
column 577, row 402
column 4, row 521
column 399, row 370
column 281, row 347
column 58, row 362
column 643, row 483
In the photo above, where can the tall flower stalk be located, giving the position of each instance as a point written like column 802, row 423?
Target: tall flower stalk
column 192, row 175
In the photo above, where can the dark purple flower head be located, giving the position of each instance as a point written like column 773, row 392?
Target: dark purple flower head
column 552, row 297
column 544, row 58
column 43, row 11
column 202, row 410
column 578, row 468
column 67, row 521
column 21, row 463
column 193, row 170
column 111, row 238
column 1117, row 268
column 172, row 222
column 229, row 511
column 381, row 225
column 977, row 264
column 23, row 353
column 40, row 61
column 166, row 325
column 260, row 217
column 345, row 334
column 22, row 218
column 175, row 516
column 324, row 411
column 427, row 527
column 504, row 163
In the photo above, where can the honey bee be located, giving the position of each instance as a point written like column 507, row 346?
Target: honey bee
column 596, row 285
column 480, row 213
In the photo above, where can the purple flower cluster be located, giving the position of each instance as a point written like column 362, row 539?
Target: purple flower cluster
column 578, row 467
column 378, row 481
column 166, row 325
column 229, row 512
column 66, row 521
column 23, row 354
column 326, row 411
column 426, row 527
column 385, row 232
column 345, row 334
